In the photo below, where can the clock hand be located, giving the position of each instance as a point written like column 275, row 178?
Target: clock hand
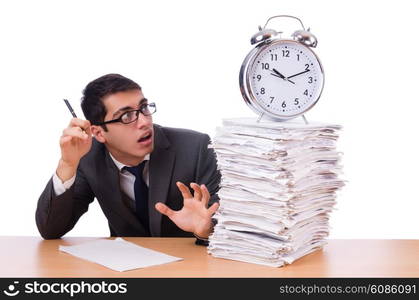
column 299, row 73
column 286, row 79
column 278, row 74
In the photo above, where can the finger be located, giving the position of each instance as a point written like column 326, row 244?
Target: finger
column 65, row 140
column 164, row 209
column 213, row 208
column 197, row 191
column 205, row 195
column 186, row 194
column 88, row 131
column 75, row 132
column 89, row 135
column 76, row 122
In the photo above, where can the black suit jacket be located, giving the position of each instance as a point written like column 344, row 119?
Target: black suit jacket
column 178, row 155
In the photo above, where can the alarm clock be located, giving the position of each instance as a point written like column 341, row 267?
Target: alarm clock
column 281, row 78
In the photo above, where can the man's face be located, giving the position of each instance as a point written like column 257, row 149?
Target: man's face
column 128, row 143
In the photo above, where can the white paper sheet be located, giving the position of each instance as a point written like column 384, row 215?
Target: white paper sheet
column 118, row 254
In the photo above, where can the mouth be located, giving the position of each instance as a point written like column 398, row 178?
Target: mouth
column 145, row 138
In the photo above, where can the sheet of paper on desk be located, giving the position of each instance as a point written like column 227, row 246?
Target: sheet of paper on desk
column 118, row 254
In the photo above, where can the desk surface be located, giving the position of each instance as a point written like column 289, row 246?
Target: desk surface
column 34, row 257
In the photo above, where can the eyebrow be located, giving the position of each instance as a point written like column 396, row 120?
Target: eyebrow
column 127, row 108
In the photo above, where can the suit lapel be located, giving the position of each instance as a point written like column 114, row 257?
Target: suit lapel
column 160, row 175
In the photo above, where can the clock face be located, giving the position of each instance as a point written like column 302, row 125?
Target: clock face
column 284, row 79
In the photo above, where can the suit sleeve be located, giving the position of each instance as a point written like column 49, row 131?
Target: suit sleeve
column 57, row 215
column 207, row 170
column 208, row 174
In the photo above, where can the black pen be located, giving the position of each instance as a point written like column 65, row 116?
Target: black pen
column 70, row 108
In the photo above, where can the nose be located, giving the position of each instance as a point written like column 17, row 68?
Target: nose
column 143, row 121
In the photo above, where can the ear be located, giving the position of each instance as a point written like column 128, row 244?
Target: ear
column 98, row 133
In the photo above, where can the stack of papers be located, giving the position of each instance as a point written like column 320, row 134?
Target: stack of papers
column 278, row 187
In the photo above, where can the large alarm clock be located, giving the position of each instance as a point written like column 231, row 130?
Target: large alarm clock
column 281, row 78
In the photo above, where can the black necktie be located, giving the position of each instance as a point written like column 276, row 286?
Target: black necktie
column 141, row 195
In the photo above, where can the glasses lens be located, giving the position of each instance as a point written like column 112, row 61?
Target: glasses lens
column 148, row 109
column 132, row 115
column 129, row 116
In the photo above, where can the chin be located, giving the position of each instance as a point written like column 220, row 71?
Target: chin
column 145, row 151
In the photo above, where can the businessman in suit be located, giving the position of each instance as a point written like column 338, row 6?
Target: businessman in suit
column 138, row 171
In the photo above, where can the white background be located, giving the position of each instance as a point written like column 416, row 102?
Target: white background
column 186, row 55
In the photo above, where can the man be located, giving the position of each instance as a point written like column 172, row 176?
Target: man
column 134, row 168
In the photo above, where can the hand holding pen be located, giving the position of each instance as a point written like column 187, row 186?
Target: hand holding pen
column 75, row 142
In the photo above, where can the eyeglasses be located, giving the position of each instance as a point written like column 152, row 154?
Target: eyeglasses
column 132, row 115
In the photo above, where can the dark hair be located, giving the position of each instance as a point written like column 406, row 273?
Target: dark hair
column 92, row 101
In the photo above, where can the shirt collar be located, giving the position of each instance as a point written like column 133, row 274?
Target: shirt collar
column 120, row 165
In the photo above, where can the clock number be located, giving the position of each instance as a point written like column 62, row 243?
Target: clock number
column 310, row 79
column 259, row 77
column 296, row 102
column 285, row 53
column 307, row 67
column 298, row 57
column 274, row 57
column 262, row 91
column 265, row 66
column 283, row 104
column 306, row 92
column 272, row 99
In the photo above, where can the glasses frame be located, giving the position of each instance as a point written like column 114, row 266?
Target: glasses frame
column 137, row 111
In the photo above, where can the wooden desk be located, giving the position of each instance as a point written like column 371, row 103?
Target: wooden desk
column 34, row 257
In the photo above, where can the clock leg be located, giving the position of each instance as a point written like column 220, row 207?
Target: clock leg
column 260, row 117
